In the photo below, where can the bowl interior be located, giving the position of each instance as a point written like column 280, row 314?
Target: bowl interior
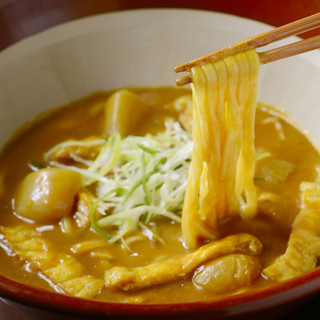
column 139, row 48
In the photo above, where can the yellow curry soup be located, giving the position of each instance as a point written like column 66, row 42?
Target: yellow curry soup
column 146, row 251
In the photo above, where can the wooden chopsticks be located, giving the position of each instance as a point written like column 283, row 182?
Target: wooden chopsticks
column 263, row 39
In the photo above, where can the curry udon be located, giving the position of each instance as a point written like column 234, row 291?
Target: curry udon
column 144, row 196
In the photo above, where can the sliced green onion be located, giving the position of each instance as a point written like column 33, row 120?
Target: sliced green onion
column 144, row 179
column 135, row 179
column 138, row 184
column 146, row 149
column 35, row 163
column 93, row 210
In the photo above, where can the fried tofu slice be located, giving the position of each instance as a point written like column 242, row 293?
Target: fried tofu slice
column 303, row 248
column 27, row 244
column 228, row 273
column 63, row 270
column 82, row 215
column 62, row 153
column 68, row 268
column 83, row 287
column 179, row 267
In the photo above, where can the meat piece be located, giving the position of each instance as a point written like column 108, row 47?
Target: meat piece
column 304, row 243
column 228, row 273
column 64, row 271
column 181, row 266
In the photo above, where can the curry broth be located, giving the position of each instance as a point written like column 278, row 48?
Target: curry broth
column 85, row 118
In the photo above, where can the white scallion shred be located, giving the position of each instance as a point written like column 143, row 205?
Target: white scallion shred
column 137, row 179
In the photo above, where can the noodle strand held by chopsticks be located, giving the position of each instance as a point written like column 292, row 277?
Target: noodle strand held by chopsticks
column 221, row 176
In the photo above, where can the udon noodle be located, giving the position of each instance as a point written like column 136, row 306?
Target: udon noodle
column 221, row 176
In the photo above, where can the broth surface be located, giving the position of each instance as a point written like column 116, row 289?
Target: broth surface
column 82, row 119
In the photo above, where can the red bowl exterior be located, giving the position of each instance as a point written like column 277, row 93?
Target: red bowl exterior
column 268, row 303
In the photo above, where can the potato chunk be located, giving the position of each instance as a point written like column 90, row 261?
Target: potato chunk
column 123, row 111
column 47, row 194
column 228, row 273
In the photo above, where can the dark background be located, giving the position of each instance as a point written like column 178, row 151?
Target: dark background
column 22, row 18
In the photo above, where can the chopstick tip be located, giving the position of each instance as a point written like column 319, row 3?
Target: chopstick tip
column 183, row 81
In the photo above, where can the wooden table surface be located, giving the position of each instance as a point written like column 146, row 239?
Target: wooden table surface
column 8, row 313
column 307, row 312
column 21, row 18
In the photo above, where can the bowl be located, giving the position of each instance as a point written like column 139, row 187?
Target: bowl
column 140, row 48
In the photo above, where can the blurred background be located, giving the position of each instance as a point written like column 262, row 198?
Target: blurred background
column 22, row 18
